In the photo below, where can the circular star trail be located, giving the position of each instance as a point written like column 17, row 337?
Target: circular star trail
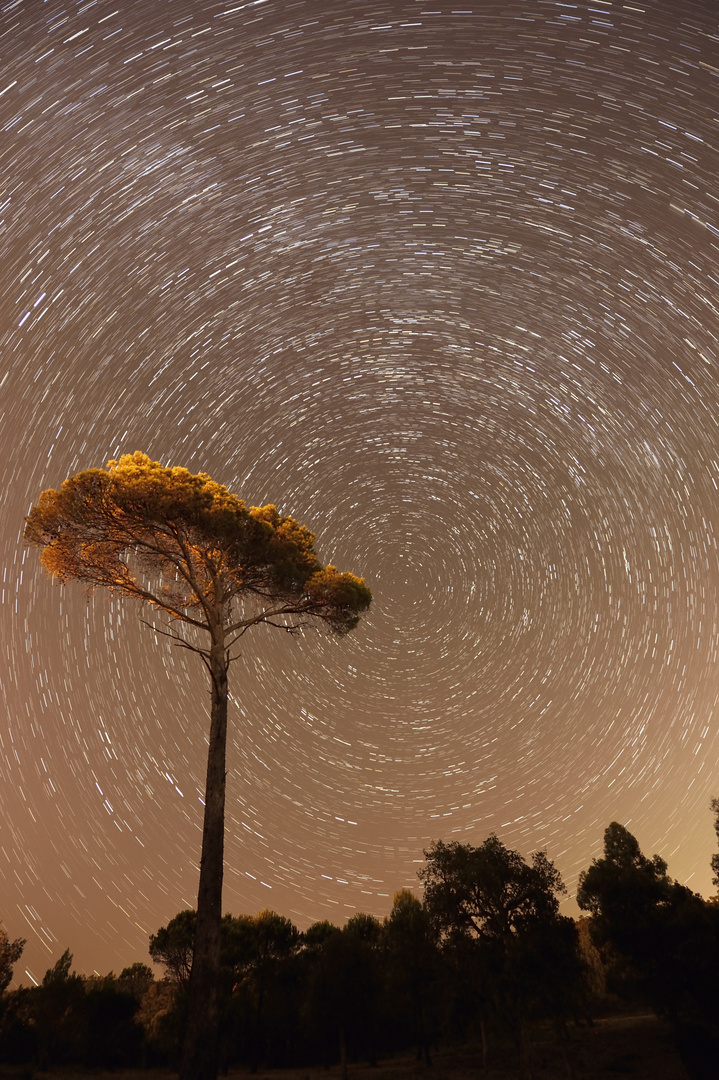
column 442, row 284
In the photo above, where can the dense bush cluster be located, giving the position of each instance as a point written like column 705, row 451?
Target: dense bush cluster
column 68, row 1020
column 486, row 956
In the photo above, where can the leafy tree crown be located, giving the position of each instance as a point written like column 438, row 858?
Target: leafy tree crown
column 488, row 890
column 183, row 543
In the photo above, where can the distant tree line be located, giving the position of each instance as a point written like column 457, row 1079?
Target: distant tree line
column 484, row 959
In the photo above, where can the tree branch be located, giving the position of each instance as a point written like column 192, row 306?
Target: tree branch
column 176, row 638
column 133, row 589
column 245, row 624
column 189, row 575
column 183, row 565
column 291, row 628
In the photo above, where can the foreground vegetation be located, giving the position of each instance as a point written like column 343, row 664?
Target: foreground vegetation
column 639, row 1047
column 484, row 972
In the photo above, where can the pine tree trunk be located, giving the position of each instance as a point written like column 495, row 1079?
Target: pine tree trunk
column 257, row 1034
column 422, row 1040
column 200, row 1057
column 343, row 1053
column 523, row 1038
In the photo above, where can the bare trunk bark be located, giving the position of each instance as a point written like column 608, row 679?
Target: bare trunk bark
column 524, row 1070
column 200, row 1057
column 343, row 1053
column 485, row 1045
column 257, row 1034
column 423, row 1047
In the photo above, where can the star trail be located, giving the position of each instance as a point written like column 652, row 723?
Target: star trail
column 441, row 283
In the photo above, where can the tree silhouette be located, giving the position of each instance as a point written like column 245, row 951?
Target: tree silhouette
column 187, row 547
column 489, row 891
column 274, row 939
column 136, row 980
column 628, row 896
column 656, row 935
column 58, row 1010
column 715, row 858
column 507, row 911
column 172, row 947
column 10, row 953
column 345, row 983
column 660, row 940
column 413, row 963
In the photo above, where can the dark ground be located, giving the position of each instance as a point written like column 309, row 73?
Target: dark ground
column 631, row 1046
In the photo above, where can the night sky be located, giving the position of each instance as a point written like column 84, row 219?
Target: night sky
column 442, row 283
